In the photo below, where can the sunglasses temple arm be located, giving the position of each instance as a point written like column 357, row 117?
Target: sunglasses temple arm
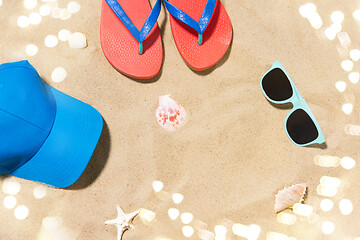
column 322, row 140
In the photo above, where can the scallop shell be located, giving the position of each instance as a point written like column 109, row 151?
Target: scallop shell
column 287, row 197
column 170, row 115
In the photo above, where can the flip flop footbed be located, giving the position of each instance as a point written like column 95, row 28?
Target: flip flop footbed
column 216, row 38
column 122, row 49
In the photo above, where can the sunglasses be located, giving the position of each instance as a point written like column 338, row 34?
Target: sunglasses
column 300, row 124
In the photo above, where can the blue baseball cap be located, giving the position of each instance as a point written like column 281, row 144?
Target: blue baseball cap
column 45, row 135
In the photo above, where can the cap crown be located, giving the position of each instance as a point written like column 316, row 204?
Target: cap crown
column 27, row 114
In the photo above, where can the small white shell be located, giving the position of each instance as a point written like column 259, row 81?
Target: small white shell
column 287, row 197
column 77, row 40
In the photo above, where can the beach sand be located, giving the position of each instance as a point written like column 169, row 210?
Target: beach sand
column 232, row 155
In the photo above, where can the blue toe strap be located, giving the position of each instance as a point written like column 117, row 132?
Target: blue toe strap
column 198, row 26
column 148, row 25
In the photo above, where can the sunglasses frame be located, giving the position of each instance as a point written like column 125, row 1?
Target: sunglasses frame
column 298, row 102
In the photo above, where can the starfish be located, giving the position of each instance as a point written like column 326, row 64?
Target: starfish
column 123, row 222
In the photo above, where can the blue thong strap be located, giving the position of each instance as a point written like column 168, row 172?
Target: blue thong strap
column 148, row 25
column 185, row 18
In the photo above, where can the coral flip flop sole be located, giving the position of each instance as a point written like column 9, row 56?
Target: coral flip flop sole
column 216, row 38
column 122, row 49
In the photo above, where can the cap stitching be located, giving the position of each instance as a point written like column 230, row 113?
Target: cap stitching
column 4, row 67
column 24, row 121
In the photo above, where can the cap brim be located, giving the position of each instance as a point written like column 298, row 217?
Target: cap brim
column 69, row 147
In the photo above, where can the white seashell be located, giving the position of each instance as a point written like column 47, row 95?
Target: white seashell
column 170, row 115
column 77, row 40
column 287, row 197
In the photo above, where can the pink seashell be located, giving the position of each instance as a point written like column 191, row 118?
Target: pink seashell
column 170, row 115
column 287, row 197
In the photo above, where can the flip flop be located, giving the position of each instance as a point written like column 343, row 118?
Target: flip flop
column 135, row 53
column 204, row 42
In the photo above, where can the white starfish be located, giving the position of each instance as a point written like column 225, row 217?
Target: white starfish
column 123, row 221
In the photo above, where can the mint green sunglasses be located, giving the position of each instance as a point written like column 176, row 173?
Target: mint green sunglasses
column 300, row 124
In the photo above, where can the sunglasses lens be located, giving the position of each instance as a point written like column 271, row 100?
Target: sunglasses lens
column 301, row 128
column 276, row 85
